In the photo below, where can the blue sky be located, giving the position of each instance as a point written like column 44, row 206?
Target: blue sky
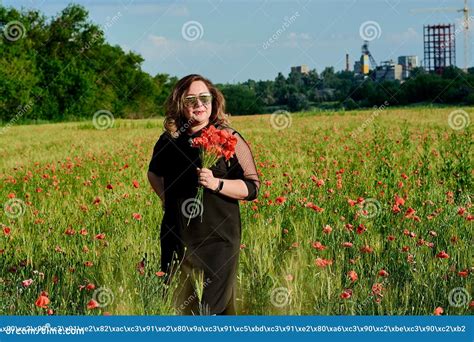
column 231, row 41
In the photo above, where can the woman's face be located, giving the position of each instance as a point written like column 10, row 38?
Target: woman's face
column 197, row 103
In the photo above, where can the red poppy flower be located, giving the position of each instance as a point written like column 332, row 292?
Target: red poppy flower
column 353, row 275
column 399, row 201
column 383, row 273
column 318, row 245
column 320, row 262
column 280, row 200
column 442, row 255
column 42, row 300
column 360, row 229
column 69, row 231
column 327, row 229
column 377, row 289
column 366, row 249
column 410, row 212
column 160, row 273
column 135, row 184
column 438, row 311
column 137, row 216
column 346, row 294
column 314, row 207
column 92, row 304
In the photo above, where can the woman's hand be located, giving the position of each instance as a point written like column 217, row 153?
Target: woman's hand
column 207, row 179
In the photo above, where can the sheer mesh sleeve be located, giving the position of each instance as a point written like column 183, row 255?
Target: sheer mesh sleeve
column 247, row 163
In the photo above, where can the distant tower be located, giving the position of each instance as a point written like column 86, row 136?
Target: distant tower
column 347, row 62
column 439, row 47
column 367, row 61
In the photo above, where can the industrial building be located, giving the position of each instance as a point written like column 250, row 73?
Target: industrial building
column 408, row 63
column 389, row 71
column 301, row 69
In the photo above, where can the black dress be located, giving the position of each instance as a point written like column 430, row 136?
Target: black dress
column 211, row 246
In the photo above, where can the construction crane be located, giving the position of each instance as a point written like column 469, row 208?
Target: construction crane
column 466, row 25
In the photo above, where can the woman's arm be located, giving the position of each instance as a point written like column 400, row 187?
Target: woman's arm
column 234, row 188
column 157, row 183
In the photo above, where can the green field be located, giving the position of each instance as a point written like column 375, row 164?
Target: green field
column 62, row 185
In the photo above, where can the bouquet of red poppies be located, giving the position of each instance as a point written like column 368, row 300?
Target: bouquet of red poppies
column 213, row 144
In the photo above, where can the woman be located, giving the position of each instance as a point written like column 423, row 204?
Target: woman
column 209, row 245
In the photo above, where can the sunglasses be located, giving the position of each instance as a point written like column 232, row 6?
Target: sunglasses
column 192, row 101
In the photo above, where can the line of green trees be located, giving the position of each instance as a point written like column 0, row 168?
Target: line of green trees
column 63, row 69
column 345, row 90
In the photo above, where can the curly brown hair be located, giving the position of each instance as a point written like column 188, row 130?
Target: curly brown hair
column 175, row 119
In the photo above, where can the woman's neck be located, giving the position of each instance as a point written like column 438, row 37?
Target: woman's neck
column 194, row 129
